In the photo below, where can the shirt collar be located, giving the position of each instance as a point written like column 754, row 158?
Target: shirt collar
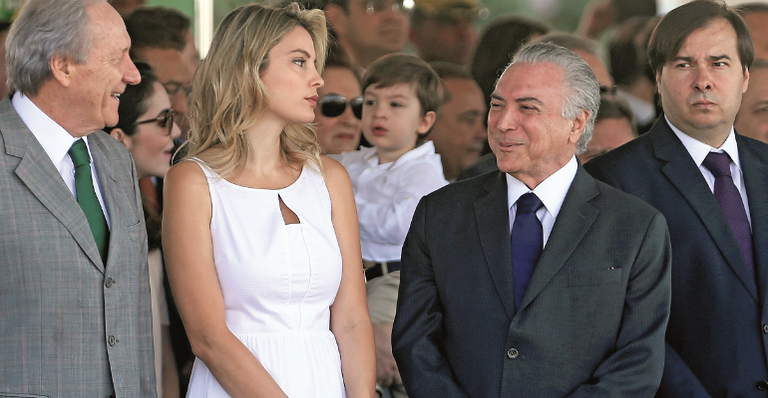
column 551, row 191
column 699, row 150
column 424, row 149
column 52, row 137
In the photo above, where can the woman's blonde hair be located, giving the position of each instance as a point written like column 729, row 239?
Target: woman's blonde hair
column 228, row 94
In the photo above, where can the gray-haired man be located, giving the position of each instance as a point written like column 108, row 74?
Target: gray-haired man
column 536, row 280
column 74, row 293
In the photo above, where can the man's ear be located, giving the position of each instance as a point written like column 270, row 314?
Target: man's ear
column 118, row 134
column 577, row 128
column 62, row 69
column 337, row 17
column 427, row 121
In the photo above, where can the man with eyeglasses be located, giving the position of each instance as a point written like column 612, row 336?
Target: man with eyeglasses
column 445, row 30
column 369, row 29
column 162, row 38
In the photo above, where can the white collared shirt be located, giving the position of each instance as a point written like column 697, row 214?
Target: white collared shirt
column 387, row 195
column 551, row 192
column 699, row 151
column 56, row 142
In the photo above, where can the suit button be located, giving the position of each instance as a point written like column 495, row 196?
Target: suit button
column 765, row 328
column 512, row 353
column 762, row 385
column 111, row 340
column 109, row 283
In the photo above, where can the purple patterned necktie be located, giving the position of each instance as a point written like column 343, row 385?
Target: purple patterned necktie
column 527, row 242
column 718, row 163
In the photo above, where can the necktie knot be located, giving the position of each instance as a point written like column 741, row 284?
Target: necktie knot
column 718, row 163
column 528, row 203
column 79, row 153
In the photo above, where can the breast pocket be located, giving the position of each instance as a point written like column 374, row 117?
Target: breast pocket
column 135, row 230
column 605, row 276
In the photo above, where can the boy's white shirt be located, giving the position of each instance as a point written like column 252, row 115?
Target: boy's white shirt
column 387, row 195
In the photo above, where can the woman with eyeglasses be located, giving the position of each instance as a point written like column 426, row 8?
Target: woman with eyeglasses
column 147, row 129
column 260, row 231
column 340, row 107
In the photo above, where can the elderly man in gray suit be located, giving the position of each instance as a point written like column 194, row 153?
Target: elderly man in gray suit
column 74, row 294
column 535, row 280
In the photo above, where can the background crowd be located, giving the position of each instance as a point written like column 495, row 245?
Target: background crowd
column 394, row 103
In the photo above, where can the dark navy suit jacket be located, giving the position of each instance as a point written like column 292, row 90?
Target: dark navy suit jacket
column 591, row 322
column 717, row 338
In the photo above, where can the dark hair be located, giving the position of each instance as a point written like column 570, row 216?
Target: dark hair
column 157, row 27
column 397, row 68
column 628, row 50
column 612, row 107
column 499, row 41
column 675, row 27
column 134, row 101
column 448, row 70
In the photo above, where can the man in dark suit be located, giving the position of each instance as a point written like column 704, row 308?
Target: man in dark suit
column 535, row 281
column 75, row 312
column 711, row 184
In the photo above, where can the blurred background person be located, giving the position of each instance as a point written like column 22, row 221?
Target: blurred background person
column 752, row 119
column 162, row 38
column 755, row 15
column 4, row 28
column 147, row 129
column 340, row 105
column 459, row 133
column 499, row 41
column 614, row 127
column 635, row 80
column 368, row 29
column 445, row 30
column 125, row 7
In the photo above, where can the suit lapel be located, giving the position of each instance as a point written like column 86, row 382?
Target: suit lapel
column 40, row 176
column 573, row 221
column 107, row 181
column 493, row 217
column 683, row 173
column 755, row 169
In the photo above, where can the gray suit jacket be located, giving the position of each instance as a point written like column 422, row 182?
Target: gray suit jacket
column 591, row 323
column 69, row 325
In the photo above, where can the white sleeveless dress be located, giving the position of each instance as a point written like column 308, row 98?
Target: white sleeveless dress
column 278, row 282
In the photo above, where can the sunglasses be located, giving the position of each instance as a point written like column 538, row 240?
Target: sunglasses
column 333, row 105
column 164, row 120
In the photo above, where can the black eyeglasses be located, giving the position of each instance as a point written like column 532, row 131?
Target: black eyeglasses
column 333, row 105
column 164, row 120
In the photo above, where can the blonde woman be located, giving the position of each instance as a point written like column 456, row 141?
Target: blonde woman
column 260, row 231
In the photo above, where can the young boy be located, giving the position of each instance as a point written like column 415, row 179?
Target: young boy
column 402, row 96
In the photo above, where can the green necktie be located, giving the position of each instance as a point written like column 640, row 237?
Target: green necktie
column 86, row 196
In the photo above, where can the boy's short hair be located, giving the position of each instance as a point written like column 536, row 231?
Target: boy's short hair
column 393, row 69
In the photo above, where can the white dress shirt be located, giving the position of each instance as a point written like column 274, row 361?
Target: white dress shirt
column 699, row 151
column 387, row 195
column 551, row 192
column 56, row 142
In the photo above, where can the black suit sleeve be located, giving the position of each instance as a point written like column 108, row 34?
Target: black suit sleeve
column 635, row 368
column 418, row 329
